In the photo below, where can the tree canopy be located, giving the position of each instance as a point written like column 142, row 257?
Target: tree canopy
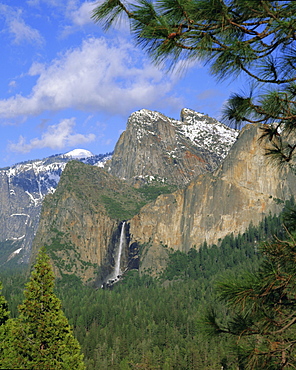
column 262, row 310
column 253, row 37
column 40, row 338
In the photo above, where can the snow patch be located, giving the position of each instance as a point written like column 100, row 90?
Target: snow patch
column 79, row 153
column 13, row 254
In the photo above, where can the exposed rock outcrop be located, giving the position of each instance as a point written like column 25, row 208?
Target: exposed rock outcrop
column 154, row 146
column 22, row 190
column 80, row 223
column 246, row 187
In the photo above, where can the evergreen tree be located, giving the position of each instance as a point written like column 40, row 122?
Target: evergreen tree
column 41, row 337
column 253, row 37
column 4, row 314
column 262, row 310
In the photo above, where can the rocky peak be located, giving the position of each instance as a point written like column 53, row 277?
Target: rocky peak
column 207, row 132
column 156, row 147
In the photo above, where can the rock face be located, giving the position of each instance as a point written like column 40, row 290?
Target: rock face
column 22, row 190
column 80, row 224
column 245, row 188
column 81, row 221
column 157, row 147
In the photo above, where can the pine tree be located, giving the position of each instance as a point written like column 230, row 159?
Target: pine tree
column 261, row 310
column 4, row 314
column 252, row 37
column 41, row 337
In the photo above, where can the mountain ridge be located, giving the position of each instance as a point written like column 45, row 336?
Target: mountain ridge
column 23, row 187
column 148, row 135
column 154, row 146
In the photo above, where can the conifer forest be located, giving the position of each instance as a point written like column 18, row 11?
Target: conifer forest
column 231, row 305
column 142, row 322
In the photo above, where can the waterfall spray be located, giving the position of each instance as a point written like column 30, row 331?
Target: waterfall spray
column 117, row 270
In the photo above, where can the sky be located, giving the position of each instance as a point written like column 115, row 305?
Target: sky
column 66, row 84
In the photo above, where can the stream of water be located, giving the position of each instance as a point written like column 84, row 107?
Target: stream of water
column 117, row 271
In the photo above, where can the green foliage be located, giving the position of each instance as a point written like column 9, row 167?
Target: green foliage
column 157, row 323
column 153, row 190
column 123, row 206
column 261, row 308
column 7, row 247
column 41, row 338
column 120, row 207
column 289, row 215
column 231, row 251
column 97, row 191
column 251, row 37
column 4, row 314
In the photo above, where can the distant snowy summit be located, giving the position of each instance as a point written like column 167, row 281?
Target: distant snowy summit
column 79, row 154
column 23, row 188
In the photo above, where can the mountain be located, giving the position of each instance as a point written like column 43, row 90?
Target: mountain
column 22, row 191
column 155, row 147
column 145, row 203
column 79, row 154
column 154, row 155
column 245, row 188
column 82, row 222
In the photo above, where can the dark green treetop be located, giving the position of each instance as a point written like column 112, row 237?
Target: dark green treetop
column 253, row 37
column 41, row 337
column 262, row 310
column 4, row 314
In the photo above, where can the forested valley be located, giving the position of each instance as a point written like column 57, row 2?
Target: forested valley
column 158, row 323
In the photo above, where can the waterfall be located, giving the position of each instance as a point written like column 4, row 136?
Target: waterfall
column 115, row 275
column 117, row 271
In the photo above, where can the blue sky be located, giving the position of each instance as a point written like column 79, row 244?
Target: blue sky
column 66, row 84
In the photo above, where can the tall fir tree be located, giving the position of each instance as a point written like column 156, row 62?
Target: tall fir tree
column 41, row 337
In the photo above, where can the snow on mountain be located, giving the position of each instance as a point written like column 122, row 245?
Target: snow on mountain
column 79, row 154
column 207, row 132
column 202, row 130
column 173, row 151
column 154, row 146
column 22, row 189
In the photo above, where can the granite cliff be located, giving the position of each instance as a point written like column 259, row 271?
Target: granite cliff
column 245, row 188
column 81, row 222
column 75, row 226
column 155, row 147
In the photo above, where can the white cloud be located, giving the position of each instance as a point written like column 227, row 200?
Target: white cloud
column 17, row 27
column 82, row 15
column 23, row 32
column 56, row 137
column 110, row 78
